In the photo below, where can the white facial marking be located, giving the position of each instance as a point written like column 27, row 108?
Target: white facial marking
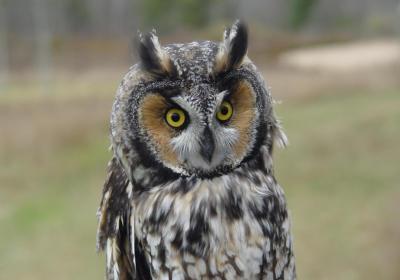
column 220, row 97
column 187, row 143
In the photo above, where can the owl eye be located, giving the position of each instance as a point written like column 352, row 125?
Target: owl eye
column 225, row 112
column 175, row 117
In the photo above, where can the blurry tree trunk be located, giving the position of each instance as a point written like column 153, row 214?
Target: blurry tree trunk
column 98, row 16
column 233, row 8
column 397, row 18
column 42, row 37
column 117, row 16
column 4, row 54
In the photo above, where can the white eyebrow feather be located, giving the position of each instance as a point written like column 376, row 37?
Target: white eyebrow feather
column 220, row 96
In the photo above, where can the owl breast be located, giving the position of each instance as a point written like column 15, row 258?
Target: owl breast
column 229, row 227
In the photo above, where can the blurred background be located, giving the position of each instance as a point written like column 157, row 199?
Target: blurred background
column 333, row 67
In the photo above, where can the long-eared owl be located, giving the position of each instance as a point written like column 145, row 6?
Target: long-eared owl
column 190, row 191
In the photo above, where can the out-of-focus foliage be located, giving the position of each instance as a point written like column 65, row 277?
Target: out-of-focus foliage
column 118, row 18
column 300, row 11
column 195, row 13
column 175, row 13
column 157, row 11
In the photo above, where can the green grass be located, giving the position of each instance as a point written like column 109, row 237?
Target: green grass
column 49, row 228
column 341, row 176
column 340, row 173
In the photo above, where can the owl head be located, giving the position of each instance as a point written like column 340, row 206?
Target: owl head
column 195, row 109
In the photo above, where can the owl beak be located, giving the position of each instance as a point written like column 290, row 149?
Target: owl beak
column 207, row 145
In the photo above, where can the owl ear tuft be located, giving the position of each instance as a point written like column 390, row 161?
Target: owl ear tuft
column 153, row 57
column 233, row 49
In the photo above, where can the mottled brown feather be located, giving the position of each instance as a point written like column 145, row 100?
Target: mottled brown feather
column 244, row 111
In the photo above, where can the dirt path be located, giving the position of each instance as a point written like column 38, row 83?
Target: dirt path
column 303, row 73
column 347, row 57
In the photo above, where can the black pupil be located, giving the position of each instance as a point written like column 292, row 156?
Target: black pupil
column 224, row 110
column 175, row 117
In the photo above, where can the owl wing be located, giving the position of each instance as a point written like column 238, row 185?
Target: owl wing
column 115, row 233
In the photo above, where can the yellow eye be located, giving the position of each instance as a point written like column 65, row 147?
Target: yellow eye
column 175, row 117
column 225, row 111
